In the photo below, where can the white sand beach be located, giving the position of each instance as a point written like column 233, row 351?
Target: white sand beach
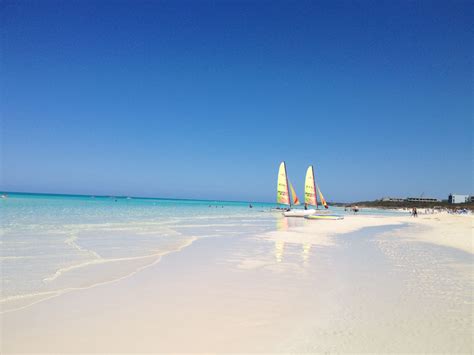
column 363, row 284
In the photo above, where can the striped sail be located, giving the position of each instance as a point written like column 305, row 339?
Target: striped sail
column 310, row 188
column 294, row 198
column 323, row 201
column 283, row 195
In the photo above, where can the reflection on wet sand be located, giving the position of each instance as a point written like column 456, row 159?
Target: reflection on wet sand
column 283, row 224
column 279, row 250
column 306, row 252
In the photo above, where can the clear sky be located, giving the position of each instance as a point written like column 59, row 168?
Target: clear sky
column 203, row 99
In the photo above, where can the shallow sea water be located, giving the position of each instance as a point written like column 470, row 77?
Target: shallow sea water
column 53, row 244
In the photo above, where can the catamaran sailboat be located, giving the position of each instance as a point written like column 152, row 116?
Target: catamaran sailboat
column 283, row 195
column 311, row 192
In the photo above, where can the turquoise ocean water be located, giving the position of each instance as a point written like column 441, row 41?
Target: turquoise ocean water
column 52, row 244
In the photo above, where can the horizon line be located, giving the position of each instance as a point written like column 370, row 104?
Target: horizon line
column 125, row 196
column 145, row 198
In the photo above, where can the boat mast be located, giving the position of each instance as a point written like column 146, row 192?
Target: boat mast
column 314, row 187
column 287, row 185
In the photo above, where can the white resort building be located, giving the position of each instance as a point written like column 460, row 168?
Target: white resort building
column 454, row 198
column 421, row 199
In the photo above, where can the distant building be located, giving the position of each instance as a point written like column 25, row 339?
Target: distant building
column 421, row 199
column 392, row 199
column 453, row 198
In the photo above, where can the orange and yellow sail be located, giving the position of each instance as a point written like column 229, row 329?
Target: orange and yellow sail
column 283, row 194
column 294, row 198
column 310, row 196
column 323, row 201
column 286, row 194
column 311, row 190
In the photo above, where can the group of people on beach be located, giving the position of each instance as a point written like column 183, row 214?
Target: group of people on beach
column 424, row 211
column 353, row 209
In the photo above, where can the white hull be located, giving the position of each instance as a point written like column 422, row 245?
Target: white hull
column 324, row 216
column 298, row 213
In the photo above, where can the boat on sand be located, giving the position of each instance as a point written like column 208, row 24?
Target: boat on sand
column 286, row 195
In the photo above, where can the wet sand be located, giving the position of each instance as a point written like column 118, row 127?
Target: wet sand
column 364, row 284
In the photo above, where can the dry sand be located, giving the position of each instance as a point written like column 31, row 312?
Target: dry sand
column 363, row 284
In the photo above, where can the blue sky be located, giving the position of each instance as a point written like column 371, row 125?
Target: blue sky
column 203, row 99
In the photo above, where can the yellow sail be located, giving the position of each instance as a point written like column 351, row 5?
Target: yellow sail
column 294, row 198
column 310, row 188
column 323, row 201
column 283, row 195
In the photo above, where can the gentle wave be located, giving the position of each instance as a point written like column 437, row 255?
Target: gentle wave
column 54, row 293
column 95, row 262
